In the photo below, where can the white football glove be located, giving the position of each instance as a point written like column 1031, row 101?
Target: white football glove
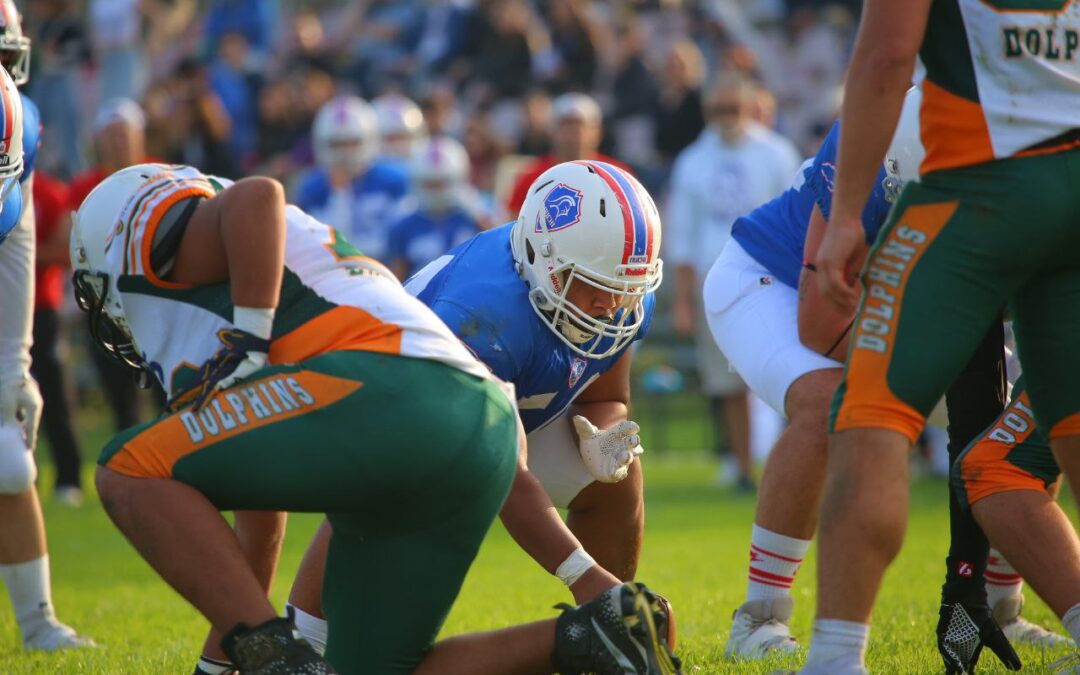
column 608, row 453
column 20, row 404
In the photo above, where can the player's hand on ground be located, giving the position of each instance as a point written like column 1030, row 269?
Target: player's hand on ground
column 839, row 258
column 963, row 630
column 240, row 355
column 20, row 403
column 608, row 453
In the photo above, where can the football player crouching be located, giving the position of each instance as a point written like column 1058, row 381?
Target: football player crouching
column 552, row 303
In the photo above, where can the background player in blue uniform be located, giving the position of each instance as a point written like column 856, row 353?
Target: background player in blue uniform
column 552, row 303
column 350, row 189
column 758, row 316
column 24, row 560
column 445, row 209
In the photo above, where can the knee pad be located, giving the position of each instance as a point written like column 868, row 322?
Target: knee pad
column 17, row 468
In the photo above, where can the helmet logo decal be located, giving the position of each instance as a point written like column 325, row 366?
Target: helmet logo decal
column 562, row 209
column 577, row 369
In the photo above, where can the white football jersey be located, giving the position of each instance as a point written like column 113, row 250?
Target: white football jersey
column 332, row 297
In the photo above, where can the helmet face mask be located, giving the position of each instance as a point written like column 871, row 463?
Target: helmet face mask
column 112, row 335
column 439, row 172
column 345, row 136
column 14, row 46
column 588, row 224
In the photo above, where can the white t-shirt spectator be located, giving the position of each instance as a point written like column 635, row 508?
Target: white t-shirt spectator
column 713, row 183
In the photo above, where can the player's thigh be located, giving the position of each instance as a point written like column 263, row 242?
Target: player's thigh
column 1012, row 454
column 754, row 320
column 338, row 432
column 1046, row 320
column 387, row 594
column 555, row 461
column 933, row 284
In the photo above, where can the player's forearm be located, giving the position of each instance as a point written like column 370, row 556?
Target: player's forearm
column 252, row 220
column 535, row 524
column 879, row 75
column 603, row 414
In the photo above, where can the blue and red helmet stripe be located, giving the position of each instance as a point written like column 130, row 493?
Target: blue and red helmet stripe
column 637, row 219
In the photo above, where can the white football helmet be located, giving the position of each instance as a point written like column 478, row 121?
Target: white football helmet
column 96, row 228
column 440, row 173
column 401, row 125
column 14, row 46
column 906, row 152
column 588, row 222
column 345, row 135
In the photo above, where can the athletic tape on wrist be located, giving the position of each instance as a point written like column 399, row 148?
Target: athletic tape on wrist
column 258, row 321
column 575, row 566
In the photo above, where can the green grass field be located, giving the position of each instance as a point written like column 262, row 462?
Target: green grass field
column 696, row 542
column 695, row 553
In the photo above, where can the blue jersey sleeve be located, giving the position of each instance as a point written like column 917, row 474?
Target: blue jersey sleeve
column 648, row 304
column 821, row 181
column 481, row 337
column 31, row 135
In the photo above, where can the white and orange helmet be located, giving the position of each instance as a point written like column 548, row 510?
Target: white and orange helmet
column 593, row 223
column 345, row 135
column 11, row 136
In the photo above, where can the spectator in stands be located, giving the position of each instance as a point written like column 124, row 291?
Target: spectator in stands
column 115, row 27
column 501, row 53
column 578, row 129
column 484, row 150
column 200, row 126
column 53, row 224
column 119, row 142
column 445, row 210
column 442, row 115
column 679, row 116
column 443, row 31
column 573, row 60
column 536, row 128
column 733, row 166
column 254, row 19
column 634, row 95
column 61, row 50
column 236, row 82
column 385, row 35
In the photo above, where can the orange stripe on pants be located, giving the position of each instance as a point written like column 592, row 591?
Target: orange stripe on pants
column 985, row 468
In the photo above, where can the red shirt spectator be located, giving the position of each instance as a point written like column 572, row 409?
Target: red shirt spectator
column 576, row 136
column 51, row 221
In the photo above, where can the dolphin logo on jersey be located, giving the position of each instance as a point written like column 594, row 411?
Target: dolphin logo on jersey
column 562, row 208
column 577, row 369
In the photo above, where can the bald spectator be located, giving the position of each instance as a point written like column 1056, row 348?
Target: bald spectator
column 734, row 165
column 578, row 129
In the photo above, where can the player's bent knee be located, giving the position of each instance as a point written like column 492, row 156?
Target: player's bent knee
column 17, row 468
column 809, row 397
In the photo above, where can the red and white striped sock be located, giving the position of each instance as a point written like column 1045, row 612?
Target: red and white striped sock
column 774, row 560
column 1002, row 580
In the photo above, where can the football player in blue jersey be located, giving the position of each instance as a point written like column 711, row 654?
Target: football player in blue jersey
column 789, row 344
column 351, row 189
column 551, row 303
column 445, row 211
column 24, row 559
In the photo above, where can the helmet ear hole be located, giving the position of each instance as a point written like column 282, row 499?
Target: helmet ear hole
column 529, row 252
column 603, row 208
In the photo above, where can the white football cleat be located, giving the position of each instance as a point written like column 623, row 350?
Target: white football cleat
column 759, row 628
column 1066, row 665
column 1021, row 631
column 53, row 636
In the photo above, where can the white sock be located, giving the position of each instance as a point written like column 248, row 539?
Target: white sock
column 774, row 560
column 209, row 666
column 31, row 596
column 837, row 645
column 1002, row 580
column 311, row 627
column 1072, row 623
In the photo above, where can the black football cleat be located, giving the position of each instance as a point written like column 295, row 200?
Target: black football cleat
column 273, row 648
column 621, row 632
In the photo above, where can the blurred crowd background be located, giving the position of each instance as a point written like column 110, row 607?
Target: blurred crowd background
column 712, row 104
